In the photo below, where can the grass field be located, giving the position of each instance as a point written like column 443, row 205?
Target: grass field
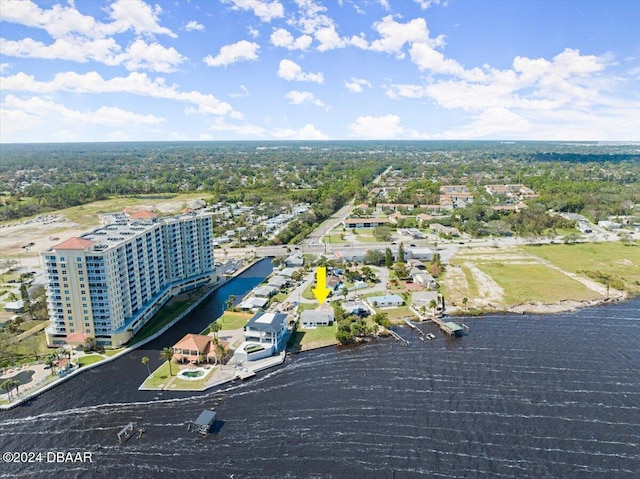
column 530, row 283
column 304, row 339
column 232, row 320
column 90, row 359
column 612, row 258
column 161, row 319
column 88, row 214
column 160, row 376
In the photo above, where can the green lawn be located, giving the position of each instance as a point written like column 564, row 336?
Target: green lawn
column 112, row 352
column 304, row 339
column 232, row 320
column 614, row 258
column 395, row 314
column 523, row 283
column 333, row 238
column 163, row 317
column 184, row 384
column 90, row 359
column 160, row 376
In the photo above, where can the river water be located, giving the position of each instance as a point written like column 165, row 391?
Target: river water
column 529, row 396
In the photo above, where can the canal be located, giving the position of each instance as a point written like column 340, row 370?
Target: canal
column 118, row 381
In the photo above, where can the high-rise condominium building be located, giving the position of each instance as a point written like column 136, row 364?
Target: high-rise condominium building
column 106, row 284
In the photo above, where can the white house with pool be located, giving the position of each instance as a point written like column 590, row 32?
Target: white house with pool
column 265, row 334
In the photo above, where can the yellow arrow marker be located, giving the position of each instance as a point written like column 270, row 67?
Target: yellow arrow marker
column 321, row 291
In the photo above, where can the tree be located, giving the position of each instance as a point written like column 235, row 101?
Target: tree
column 373, row 256
column 9, row 385
column 32, row 343
column 24, row 295
column 51, row 361
column 381, row 319
column 382, row 233
column 388, row 258
column 145, row 361
column 465, row 300
column 214, row 328
column 219, row 352
column 167, row 355
column 432, row 304
column 229, row 302
column 401, row 253
column 401, row 270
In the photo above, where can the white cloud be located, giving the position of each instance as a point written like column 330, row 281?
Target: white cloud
column 138, row 55
column 24, row 114
column 254, row 33
column 4, row 66
column 394, row 35
column 307, row 132
column 291, row 71
column 355, row 85
column 283, row 38
column 376, row 127
column 236, row 52
column 264, row 10
column 424, row 4
column 220, row 124
column 143, row 56
column 296, row 97
column 135, row 84
column 242, row 93
column 103, row 50
column 493, row 122
column 193, row 25
column 135, row 15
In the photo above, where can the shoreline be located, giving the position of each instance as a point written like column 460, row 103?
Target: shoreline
column 47, row 387
column 563, row 306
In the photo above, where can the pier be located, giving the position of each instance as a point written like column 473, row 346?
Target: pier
column 413, row 326
column 398, row 337
column 451, row 329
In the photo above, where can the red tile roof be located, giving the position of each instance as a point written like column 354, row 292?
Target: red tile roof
column 143, row 215
column 77, row 338
column 74, row 243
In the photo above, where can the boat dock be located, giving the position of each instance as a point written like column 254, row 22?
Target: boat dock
column 413, row 326
column 451, row 329
column 398, row 337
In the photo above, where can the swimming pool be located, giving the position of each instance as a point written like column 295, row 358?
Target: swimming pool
column 192, row 374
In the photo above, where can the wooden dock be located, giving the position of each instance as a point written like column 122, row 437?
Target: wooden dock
column 398, row 337
column 451, row 329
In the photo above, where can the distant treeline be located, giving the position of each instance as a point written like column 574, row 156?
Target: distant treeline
column 595, row 180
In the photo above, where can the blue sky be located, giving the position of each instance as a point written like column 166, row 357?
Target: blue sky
column 319, row 70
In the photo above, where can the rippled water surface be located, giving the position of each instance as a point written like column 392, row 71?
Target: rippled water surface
column 520, row 396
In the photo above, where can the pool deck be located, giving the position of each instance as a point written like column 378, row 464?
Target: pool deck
column 222, row 374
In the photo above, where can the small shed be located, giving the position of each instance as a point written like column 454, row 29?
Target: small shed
column 205, row 421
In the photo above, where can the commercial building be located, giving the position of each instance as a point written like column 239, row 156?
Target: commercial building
column 109, row 282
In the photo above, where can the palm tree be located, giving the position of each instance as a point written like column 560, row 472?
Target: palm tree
column 8, row 387
column 214, row 328
column 51, row 361
column 432, row 305
column 465, row 300
column 220, row 352
column 145, row 361
column 229, row 302
column 167, row 355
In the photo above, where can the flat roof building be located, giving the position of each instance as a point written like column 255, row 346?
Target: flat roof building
column 109, row 282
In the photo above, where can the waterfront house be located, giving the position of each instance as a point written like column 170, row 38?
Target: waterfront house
column 294, row 261
column 386, row 301
column 312, row 318
column 195, row 348
column 278, row 282
column 268, row 329
column 264, row 291
column 252, row 303
column 421, row 299
column 265, row 334
column 355, row 307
